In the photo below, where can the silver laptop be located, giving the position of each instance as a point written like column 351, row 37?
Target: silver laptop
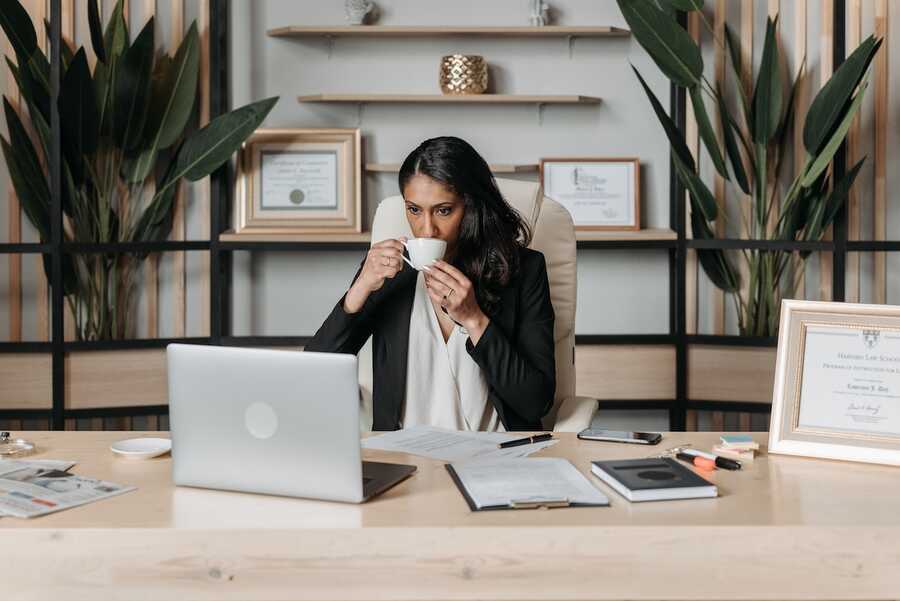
column 269, row 421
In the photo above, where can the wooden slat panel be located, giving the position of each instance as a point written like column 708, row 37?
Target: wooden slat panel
column 14, row 225
column 178, row 227
column 747, row 84
column 881, row 129
column 854, row 35
column 116, row 379
column 625, row 372
column 800, row 110
column 151, row 265
column 692, row 136
column 721, row 373
column 25, row 381
column 717, row 299
column 203, row 199
column 826, row 66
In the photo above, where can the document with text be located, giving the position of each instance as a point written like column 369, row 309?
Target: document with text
column 451, row 445
column 504, row 483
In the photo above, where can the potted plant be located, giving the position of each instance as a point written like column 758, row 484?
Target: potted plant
column 127, row 142
column 755, row 144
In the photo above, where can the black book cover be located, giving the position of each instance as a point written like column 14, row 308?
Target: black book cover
column 651, row 474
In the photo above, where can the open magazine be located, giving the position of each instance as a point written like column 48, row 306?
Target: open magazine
column 38, row 487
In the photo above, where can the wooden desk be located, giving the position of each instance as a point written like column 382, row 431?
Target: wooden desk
column 784, row 528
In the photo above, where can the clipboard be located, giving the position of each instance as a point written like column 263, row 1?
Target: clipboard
column 513, row 503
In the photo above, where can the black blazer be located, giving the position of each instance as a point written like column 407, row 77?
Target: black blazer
column 515, row 353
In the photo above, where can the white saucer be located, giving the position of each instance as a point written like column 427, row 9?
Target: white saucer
column 141, row 448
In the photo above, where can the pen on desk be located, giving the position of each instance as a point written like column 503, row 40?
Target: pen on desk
column 528, row 440
column 722, row 462
column 701, row 462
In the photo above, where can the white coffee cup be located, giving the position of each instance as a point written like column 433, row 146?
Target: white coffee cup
column 424, row 251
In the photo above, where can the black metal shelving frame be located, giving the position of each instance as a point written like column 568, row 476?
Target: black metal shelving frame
column 221, row 254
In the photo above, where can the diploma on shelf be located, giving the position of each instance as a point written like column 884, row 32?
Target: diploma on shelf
column 851, row 380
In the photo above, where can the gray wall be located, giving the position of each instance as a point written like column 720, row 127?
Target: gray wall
column 619, row 291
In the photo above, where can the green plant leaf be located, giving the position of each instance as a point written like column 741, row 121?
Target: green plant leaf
column 831, row 103
column 115, row 39
column 731, row 147
column 685, row 5
column 175, row 105
column 18, row 28
column 707, row 134
column 703, row 201
column 96, row 30
column 206, row 149
column 66, row 51
column 26, row 173
column 767, row 100
column 820, row 162
column 132, row 89
column 667, row 43
column 78, row 115
column 174, row 89
column 34, row 84
column 676, row 139
column 734, row 53
column 839, row 194
column 714, row 262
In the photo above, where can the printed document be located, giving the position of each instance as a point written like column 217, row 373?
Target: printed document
column 504, row 481
column 451, row 445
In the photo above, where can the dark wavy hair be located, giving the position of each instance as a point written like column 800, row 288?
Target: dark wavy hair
column 491, row 232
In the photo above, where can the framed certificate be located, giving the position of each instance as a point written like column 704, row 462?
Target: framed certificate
column 837, row 382
column 295, row 181
column 600, row 194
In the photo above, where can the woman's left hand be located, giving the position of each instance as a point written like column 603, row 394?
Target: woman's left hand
column 451, row 289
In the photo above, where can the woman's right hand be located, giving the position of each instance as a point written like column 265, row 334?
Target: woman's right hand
column 384, row 260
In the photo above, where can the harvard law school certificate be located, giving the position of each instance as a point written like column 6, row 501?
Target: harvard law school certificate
column 851, row 380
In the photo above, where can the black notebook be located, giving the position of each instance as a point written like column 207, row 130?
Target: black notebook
column 653, row 479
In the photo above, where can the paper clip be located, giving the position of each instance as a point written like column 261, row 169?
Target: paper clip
column 671, row 452
column 539, row 503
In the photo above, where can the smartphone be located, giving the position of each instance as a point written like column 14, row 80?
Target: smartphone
column 621, row 436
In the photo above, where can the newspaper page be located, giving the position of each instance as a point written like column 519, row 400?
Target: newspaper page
column 33, row 490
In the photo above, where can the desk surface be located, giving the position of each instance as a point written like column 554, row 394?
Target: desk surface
column 820, row 528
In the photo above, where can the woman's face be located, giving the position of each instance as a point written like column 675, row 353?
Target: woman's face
column 433, row 210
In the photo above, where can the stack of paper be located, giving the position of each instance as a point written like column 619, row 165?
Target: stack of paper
column 451, row 445
column 741, row 447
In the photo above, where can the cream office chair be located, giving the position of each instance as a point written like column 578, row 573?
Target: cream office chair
column 554, row 236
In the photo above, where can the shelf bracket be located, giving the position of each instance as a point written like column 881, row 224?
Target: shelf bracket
column 540, row 113
column 329, row 41
column 360, row 111
column 570, row 39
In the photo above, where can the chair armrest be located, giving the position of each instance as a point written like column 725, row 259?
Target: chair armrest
column 575, row 414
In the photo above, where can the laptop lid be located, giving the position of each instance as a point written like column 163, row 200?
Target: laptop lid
column 265, row 421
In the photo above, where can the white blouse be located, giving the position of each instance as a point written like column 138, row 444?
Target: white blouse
column 444, row 385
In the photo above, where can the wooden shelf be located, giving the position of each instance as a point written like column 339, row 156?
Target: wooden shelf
column 230, row 236
column 499, row 168
column 451, row 98
column 645, row 234
column 416, row 31
column 581, row 236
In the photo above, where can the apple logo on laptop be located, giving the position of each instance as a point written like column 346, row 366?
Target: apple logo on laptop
column 261, row 420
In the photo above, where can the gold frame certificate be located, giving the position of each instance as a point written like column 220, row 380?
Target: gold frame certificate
column 837, row 383
column 299, row 181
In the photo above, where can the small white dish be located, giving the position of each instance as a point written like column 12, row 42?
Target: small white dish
column 141, row 448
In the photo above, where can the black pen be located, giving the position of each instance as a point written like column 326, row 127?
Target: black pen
column 521, row 441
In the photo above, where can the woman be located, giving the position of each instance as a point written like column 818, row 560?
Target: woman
column 468, row 343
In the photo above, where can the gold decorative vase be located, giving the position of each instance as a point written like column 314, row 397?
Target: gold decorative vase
column 463, row 74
